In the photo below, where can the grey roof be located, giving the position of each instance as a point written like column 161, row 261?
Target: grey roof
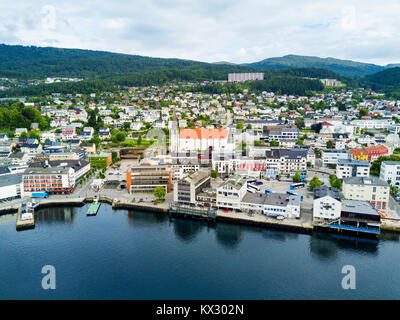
column 354, row 162
column 322, row 191
column 274, row 199
column 10, row 179
column 57, row 170
column 75, row 164
column 396, row 163
column 372, row 180
column 236, row 182
column 335, row 151
column 359, row 207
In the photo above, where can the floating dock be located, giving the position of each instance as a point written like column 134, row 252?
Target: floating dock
column 94, row 207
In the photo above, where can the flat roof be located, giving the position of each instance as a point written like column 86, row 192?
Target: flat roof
column 10, row 179
column 274, row 199
column 359, row 207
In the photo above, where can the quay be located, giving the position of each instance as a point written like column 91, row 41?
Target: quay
column 302, row 225
column 25, row 217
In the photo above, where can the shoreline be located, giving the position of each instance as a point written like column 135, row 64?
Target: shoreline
column 220, row 217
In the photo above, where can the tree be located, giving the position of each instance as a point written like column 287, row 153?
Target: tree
column 315, row 182
column 335, row 182
column 329, row 144
column 362, row 113
column 159, row 193
column 214, row 174
column 114, row 156
column 239, row 125
column 375, row 169
column 118, row 137
column 297, row 177
column 274, row 143
column 299, row 122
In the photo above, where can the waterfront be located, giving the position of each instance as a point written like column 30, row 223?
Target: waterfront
column 121, row 254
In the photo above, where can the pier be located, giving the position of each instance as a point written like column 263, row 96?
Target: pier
column 25, row 217
column 94, row 207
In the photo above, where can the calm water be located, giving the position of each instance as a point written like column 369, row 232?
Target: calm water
column 133, row 255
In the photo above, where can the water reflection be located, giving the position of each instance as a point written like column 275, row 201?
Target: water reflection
column 56, row 215
column 278, row 235
column 228, row 235
column 138, row 218
column 325, row 247
column 186, row 230
column 8, row 218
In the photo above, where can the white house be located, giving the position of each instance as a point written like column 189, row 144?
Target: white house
column 326, row 205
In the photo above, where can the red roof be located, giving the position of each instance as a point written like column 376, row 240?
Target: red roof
column 203, row 133
column 326, row 123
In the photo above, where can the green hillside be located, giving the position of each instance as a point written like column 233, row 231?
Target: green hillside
column 343, row 67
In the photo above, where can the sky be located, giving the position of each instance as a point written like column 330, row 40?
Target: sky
column 210, row 30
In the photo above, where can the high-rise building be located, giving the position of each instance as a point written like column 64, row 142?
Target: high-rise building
column 240, row 77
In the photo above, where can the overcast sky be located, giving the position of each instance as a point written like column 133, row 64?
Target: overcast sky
column 210, row 30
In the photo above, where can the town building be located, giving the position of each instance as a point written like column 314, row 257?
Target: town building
column 187, row 189
column 231, row 192
column 10, row 187
column 241, row 77
column 326, row 205
column 147, row 178
column 100, row 160
column 390, row 171
column 51, row 180
column 372, row 189
column 202, row 139
column 272, row 204
column 332, row 156
column 352, row 168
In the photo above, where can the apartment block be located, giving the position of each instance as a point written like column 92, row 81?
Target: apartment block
column 390, row 171
column 147, row 178
column 186, row 190
column 352, row 168
column 371, row 189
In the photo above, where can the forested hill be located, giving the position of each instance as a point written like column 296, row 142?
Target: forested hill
column 37, row 62
column 387, row 81
column 343, row 67
column 105, row 70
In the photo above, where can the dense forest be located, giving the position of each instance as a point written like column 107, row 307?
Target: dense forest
column 277, row 84
column 38, row 63
column 387, row 81
column 105, row 71
column 16, row 115
column 346, row 68
column 286, row 81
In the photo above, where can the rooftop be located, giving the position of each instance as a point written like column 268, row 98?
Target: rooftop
column 10, row 179
column 323, row 191
column 372, row 180
column 359, row 207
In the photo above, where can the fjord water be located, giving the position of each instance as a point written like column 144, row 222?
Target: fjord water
column 121, row 254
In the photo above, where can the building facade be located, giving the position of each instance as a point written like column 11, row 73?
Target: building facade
column 352, row 168
column 371, row 189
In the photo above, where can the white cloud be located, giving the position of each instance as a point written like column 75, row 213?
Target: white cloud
column 210, row 30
